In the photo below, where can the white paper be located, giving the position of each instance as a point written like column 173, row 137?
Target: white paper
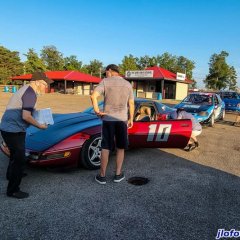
column 44, row 116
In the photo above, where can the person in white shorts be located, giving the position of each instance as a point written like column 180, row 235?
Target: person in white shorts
column 196, row 128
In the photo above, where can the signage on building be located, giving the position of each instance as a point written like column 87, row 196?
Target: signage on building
column 181, row 76
column 139, row 74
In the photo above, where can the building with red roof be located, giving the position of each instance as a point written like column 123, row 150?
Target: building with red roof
column 157, row 82
column 153, row 82
column 67, row 81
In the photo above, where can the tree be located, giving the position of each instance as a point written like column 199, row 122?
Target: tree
column 33, row 63
column 232, row 80
column 167, row 61
column 185, row 65
column 94, row 68
column 194, row 84
column 10, row 64
column 52, row 58
column 219, row 72
column 176, row 64
column 128, row 63
column 71, row 63
column 146, row 61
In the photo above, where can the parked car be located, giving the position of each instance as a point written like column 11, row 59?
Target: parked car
column 205, row 107
column 231, row 99
column 75, row 138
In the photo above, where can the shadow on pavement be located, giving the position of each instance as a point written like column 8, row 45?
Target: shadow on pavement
column 182, row 200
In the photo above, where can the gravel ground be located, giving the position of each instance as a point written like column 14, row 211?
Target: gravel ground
column 189, row 195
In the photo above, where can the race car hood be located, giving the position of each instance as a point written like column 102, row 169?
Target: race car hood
column 64, row 126
column 194, row 108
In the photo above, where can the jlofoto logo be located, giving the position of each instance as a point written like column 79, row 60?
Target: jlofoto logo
column 222, row 233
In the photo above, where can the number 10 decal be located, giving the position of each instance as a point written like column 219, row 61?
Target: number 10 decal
column 161, row 135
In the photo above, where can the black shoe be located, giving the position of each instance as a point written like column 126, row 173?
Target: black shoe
column 196, row 144
column 100, row 179
column 18, row 194
column 189, row 147
column 119, row 178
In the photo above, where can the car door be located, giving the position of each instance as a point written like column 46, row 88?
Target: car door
column 160, row 134
column 217, row 107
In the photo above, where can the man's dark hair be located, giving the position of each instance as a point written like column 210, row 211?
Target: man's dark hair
column 113, row 67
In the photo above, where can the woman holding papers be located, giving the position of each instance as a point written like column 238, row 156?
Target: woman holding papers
column 15, row 120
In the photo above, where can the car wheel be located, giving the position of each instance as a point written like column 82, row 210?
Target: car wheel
column 222, row 115
column 212, row 121
column 91, row 153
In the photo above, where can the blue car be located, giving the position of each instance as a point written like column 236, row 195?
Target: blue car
column 205, row 107
column 231, row 99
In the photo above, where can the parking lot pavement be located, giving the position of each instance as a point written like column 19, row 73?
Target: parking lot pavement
column 189, row 195
column 183, row 200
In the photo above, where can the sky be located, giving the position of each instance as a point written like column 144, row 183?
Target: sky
column 109, row 30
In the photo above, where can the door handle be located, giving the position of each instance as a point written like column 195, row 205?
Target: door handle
column 185, row 125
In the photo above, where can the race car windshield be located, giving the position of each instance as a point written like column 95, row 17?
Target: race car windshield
column 199, row 99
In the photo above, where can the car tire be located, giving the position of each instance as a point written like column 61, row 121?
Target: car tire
column 91, row 153
column 222, row 115
column 212, row 120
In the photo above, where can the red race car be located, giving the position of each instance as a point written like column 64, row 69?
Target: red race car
column 75, row 138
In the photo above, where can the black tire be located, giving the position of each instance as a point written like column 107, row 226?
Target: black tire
column 91, row 153
column 212, row 120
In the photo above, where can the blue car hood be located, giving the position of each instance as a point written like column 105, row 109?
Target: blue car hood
column 194, row 108
column 64, row 126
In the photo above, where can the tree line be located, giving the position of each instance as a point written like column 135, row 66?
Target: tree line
column 221, row 75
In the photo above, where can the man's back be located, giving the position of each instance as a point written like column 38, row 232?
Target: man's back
column 116, row 91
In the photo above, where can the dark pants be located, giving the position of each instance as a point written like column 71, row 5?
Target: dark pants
column 16, row 145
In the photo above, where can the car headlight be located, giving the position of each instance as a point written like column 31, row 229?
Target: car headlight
column 238, row 105
column 203, row 114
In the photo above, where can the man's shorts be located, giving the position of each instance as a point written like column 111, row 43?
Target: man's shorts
column 114, row 133
column 196, row 132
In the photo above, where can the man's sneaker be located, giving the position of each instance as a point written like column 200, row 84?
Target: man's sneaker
column 100, row 179
column 119, row 178
column 188, row 147
column 196, row 144
column 19, row 194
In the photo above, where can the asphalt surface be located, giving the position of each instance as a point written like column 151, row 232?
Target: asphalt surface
column 188, row 196
column 183, row 200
